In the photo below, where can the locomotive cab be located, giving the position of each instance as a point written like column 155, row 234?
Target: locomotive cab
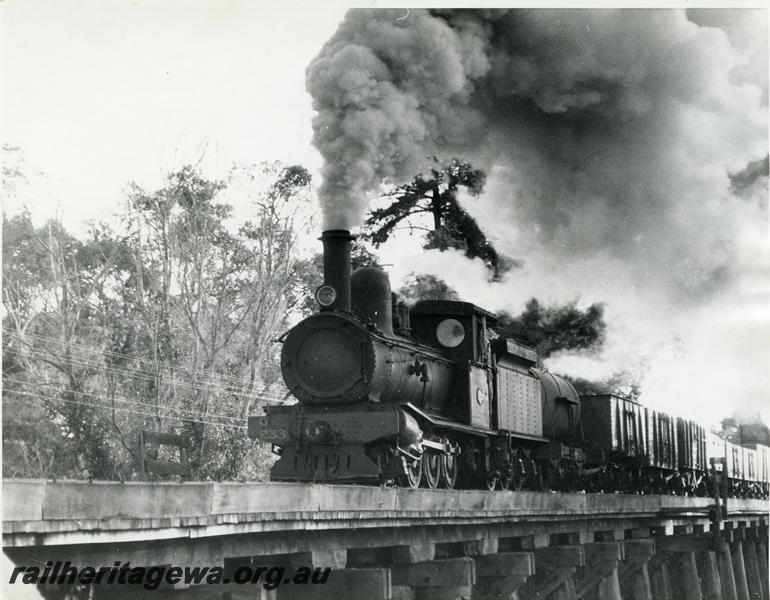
column 460, row 330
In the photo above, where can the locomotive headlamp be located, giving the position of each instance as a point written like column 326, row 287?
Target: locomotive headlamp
column 315, row 431
column 325, row 295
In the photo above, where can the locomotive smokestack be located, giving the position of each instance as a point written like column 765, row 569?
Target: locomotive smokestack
column 337, row 244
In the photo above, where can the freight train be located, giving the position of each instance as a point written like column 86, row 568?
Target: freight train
column 430, row 395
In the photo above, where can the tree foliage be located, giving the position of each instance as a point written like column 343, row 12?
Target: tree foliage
column 57, row 292
column 741, row 430
column 424, row 286
column 166, row 323
column 623, row 383
column 555, row 328
column 451, row 226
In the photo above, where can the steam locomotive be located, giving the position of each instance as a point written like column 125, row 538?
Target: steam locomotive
column 430, row 395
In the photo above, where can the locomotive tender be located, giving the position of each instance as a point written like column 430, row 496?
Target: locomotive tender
column 431, row 395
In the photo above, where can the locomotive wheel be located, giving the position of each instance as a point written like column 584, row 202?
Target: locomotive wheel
column 449, row 470
column 647, row 483
column 431, row 469
column 594, row 483
column 517, row 476
column 531, row 476
column 677, row 486
column 413, row 473
column 551, row 478
column 617, row 479
column 573, row 480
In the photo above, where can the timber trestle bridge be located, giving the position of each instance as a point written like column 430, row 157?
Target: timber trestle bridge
column 392, row 543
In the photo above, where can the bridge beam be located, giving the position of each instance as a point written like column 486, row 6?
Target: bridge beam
column 505, row 564
column 566, row 591
column 638, row 533
column 685, row 543
column 500, row 575
column 593, row 577
column 447, row 579
column 480, row 547
column 660, row 581
column 635, row 583
column 708, row 569
column 336, row 559
column 604, row 551
column 498, row 588
column 435, row 573
column 638, row 551
column 573, row 538
column 739, row 570
column 753, row 577
column 612, row 535
column 601, row 572
column 555, row 567
column 559, row 556
column 351, row 584
column 726, row 574
column 413, row 553
column 533, row 542
column 609, row 587
column 552, row 581
column 634, row 574
column 763, row 560
column 686, row 584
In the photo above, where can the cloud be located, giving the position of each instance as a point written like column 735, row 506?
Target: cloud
column 621, row 148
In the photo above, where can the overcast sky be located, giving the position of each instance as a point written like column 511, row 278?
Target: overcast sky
column 97, row 93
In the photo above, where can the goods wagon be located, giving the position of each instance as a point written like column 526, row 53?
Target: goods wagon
column 615, row 430
column 661, row 440
column 762, row 482
column 691, row 451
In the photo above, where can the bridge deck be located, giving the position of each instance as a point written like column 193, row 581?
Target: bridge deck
column 73, row 512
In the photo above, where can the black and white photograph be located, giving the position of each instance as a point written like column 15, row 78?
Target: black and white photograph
column 383, row 301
